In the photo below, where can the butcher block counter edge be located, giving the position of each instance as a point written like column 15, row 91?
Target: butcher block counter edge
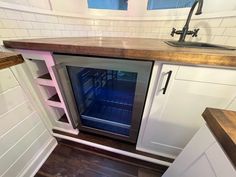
column 128, row 48
column 222, row 124
column 8, row 59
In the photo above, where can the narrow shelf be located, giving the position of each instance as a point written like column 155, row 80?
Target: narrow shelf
column 45, row 80
column 45, row 76
column 55, row 98
column 54, row 101
column 63, row 119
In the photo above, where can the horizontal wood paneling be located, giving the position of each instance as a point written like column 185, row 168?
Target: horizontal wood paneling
column 10, row 119
column 28, row 155
column 22, row 133
column 7, row 80
column 15, row 152
column 11, row 98
column 16, row 133
column 38, row 160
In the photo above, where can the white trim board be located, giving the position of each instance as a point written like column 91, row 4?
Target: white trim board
column 39, row 160
column 114, row 150
column 72, row 131
column 155, row 153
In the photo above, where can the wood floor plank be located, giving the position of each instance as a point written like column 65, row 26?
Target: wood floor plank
column 66, row 161
column 115, row 156
column 106, row 141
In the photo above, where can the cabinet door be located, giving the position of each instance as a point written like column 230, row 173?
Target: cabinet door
column 220, row 162
column 175, row 114
column 202, row 157
column 200, row 168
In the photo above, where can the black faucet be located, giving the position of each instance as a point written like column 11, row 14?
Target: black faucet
column 185, row 30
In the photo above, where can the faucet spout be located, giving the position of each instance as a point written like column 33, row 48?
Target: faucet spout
column 199, row 9
column 186, row 26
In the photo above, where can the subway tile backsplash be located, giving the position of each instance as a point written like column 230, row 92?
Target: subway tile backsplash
column 17, row 24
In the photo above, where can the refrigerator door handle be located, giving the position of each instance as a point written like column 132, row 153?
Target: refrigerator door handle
column 167, row 82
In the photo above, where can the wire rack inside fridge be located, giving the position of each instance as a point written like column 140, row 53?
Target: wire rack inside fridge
column 105, row 98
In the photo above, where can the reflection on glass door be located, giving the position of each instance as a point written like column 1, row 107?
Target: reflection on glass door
column 104, row 98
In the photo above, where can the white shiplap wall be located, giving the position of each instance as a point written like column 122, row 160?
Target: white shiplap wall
column 24, row 140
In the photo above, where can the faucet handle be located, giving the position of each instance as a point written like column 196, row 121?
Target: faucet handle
column 195, row 32
column 173, row 32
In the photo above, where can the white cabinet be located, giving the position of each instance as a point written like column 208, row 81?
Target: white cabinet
column 175, row 116
column 202, row 157
column 200, row 168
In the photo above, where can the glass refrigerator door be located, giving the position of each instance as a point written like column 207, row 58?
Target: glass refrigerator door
column 104, row 98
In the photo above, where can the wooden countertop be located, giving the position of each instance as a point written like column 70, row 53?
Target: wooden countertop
column 130, row 48
column 8, row 59
column 222, row 123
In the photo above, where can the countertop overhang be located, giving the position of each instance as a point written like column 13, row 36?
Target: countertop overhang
column 8, row 59
column 222, row 124
column 129, row 48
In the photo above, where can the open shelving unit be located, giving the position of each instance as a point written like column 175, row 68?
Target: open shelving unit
column 44, row 80
column 54, row 101
column 64, row 119
column 44, row 85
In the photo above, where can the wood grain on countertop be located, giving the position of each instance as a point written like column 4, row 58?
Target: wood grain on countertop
column 222, row 123
column 130, row 48
column 8, row 59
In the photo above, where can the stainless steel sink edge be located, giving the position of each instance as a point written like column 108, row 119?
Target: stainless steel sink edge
column 200, row 45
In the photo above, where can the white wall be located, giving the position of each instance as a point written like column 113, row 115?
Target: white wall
column 24, row 140
column 134, row 8
column 42, row 4
column 212, row 6
column 71, row 6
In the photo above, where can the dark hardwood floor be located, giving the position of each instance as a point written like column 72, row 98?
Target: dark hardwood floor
column 117, row 144
column 67, row 161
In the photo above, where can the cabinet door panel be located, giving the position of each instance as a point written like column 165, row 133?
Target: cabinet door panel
column 195, row 149
column 232, row 105
column 200, row 168
column 202, row 157
column 203, row 74
column 220, row 162
column 176, row 116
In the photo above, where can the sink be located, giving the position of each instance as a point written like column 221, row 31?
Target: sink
column 198, row 45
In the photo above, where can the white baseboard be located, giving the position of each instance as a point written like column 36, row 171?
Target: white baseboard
column 39, row 160
column 155, row 153
column 118, row 151
column 71, row 131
